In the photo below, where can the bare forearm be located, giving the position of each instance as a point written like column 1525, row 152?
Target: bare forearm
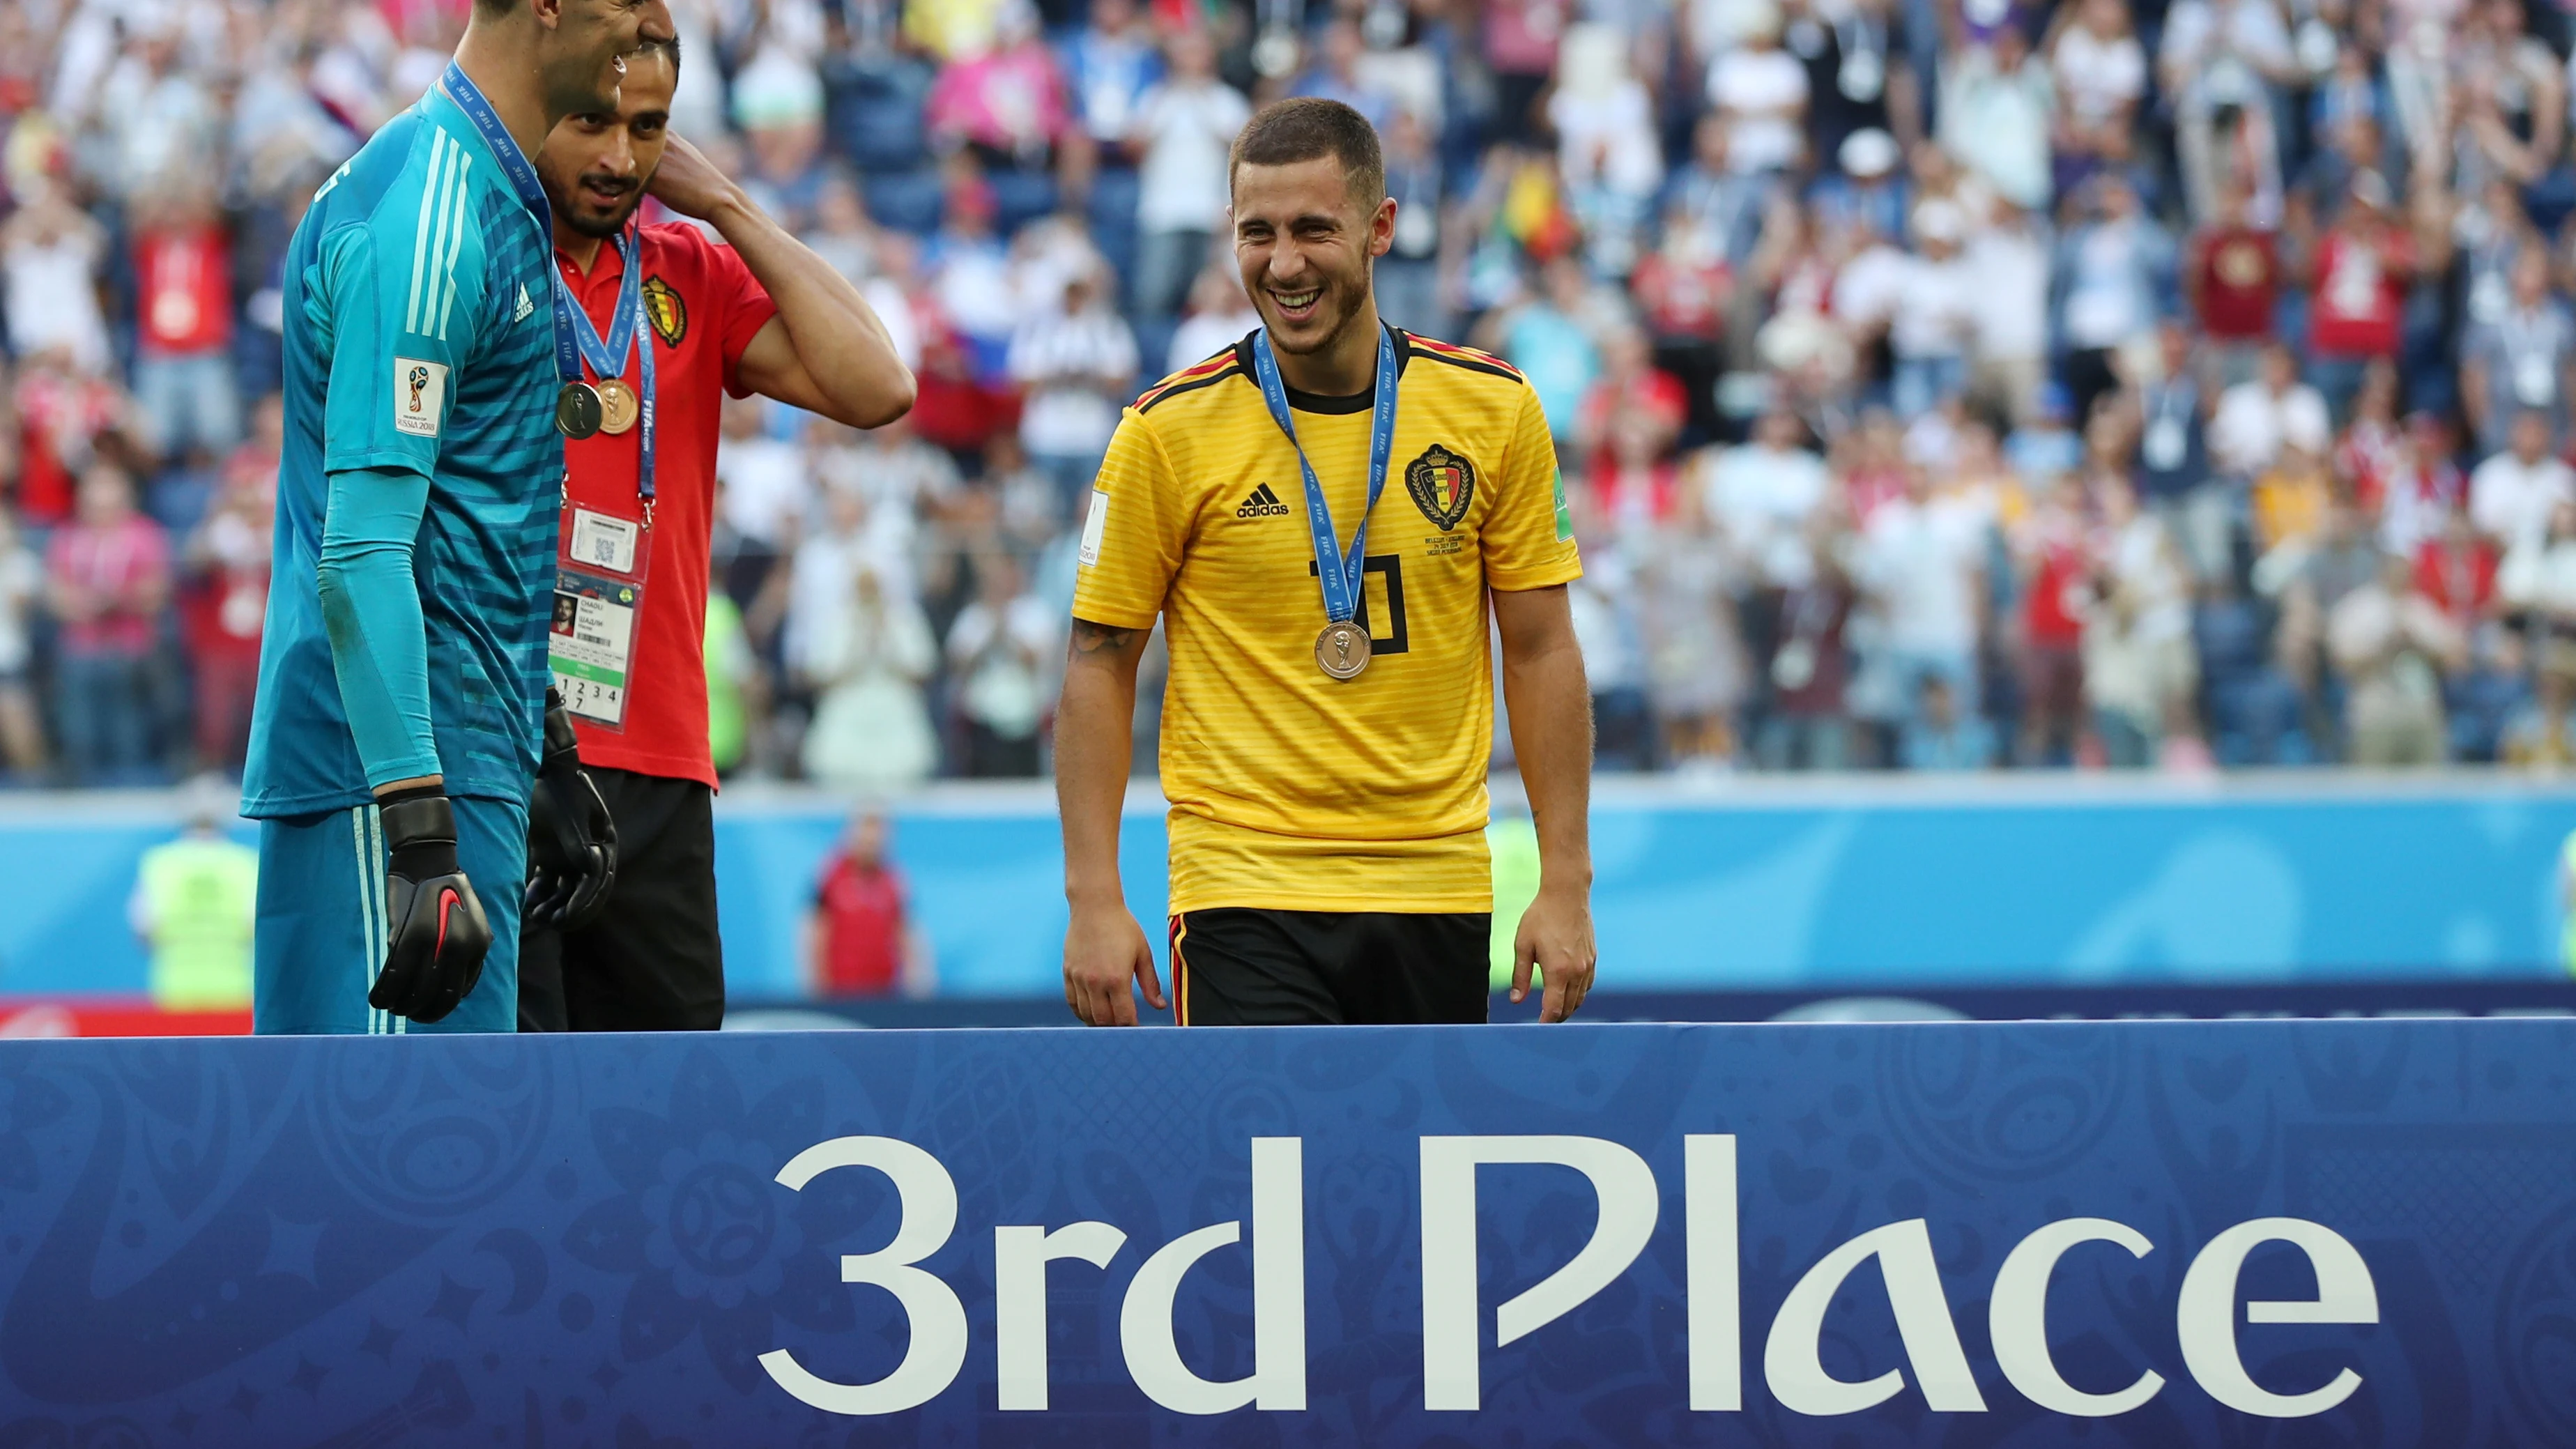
column 838, row 338
column 1551, row 718
column 1092, row 742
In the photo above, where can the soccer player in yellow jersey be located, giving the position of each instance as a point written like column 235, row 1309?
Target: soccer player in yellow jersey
column 1329, row 716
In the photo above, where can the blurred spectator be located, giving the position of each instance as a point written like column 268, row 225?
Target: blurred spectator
column 1408, row 276
column 2055, row 568
column 2100, row 71
column 2522, row 359
column 1933, row 317
column 2112, row 269
column 193, row 904
column 183, row 374
column 226, row 601
column 1078, row 365
column 2513, row 494
column 2361, row 268
column 1184, row 126
column 1920, row 563
column 867, row 661
column 22, row 595
column 1220, row 316
column 859, row 936
column 998, row 650
column 108, row 578
column 2393, row 646
column 1996, row 114
column 2234, row 281
column 2139, row 670
column 2257, row 418
column 1607, row 153
column 51, row 252
column 1760, row 91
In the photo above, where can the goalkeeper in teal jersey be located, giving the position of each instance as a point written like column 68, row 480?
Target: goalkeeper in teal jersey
column 403, row 672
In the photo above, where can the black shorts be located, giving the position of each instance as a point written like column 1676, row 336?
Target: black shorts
column 1245, row 967
column 651, row 961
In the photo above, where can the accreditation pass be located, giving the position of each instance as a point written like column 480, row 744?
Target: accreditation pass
column 590, row 645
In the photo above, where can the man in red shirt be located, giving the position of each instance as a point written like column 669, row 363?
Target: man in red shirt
column 183, row 326
column 675, row 321
column 858, row 938
column 107, row 577
column 2360, row 272
column 2234, row 278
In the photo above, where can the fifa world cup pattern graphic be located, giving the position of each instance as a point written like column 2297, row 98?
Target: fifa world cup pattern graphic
column 307, row 1242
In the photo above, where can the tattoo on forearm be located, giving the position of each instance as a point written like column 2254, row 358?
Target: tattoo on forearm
column 1091, row 638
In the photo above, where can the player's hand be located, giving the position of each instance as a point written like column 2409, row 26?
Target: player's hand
column 572, row 841
column 436, row 932
column 1105, row 956
column 1556, row 936
column 689, row 183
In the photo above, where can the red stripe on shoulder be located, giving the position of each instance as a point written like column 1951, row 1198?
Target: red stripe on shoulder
column 1187, row 379
column 1468, row 357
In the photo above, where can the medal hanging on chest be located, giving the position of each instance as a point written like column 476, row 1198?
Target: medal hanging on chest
column 1342, row 648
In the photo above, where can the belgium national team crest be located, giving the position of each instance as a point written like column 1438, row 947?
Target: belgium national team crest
column 670, row 315
column 1442, row 485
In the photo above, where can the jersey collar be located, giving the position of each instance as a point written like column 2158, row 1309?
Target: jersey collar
column 1315, row 402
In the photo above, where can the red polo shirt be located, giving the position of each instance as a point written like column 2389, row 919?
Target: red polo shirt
column 701, row 309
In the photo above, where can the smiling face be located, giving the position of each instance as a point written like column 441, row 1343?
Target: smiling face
column 595, row 164
column 1304, row 244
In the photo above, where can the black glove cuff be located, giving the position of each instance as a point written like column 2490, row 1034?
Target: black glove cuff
column 562, row 747
column 420, row 833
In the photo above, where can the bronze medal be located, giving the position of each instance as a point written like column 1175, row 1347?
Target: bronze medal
column 578, row 410
column 1342, row 650
column 618, row 406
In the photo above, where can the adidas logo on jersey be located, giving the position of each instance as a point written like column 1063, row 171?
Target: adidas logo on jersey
column 525, row 306
column 1262, row 504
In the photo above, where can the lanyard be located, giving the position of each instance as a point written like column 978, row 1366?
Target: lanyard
column 523, row 180
column 1341, row 578
column 608, row 358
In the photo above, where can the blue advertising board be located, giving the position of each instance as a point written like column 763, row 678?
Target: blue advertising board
column 2352, row 1233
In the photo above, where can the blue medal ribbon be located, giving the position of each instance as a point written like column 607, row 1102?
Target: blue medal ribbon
column 532, row 195
column 608, row 358
column 1339, row 573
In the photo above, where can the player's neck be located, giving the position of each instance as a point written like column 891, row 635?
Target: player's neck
column 499, row 63
column 1348, row 366
column 581, row 247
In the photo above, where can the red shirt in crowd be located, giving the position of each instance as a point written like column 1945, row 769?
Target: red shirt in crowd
column 2240, row 280
column 2046, row 618
column 2360, row 294
column 702, row 307
column 862, row 909
column 184, row 290
column 2460, row 576
column 59, row 417
column 122, row 568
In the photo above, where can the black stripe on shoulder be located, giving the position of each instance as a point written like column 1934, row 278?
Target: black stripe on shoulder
column 1160, row 396
column 1473, row 364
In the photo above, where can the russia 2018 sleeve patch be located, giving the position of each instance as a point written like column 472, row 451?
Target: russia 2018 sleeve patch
column 1094, row 528
column 420, row 396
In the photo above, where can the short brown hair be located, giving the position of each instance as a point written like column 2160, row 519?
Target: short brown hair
column 1287, row 132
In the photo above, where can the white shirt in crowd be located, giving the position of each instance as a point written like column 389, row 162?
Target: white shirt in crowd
column 765, row 486
column 1935, row 311
column 1059, row 359
column 1186, row 131
column 2251, row 426
column 1205, row 334
column 2097, row 76
column 1762, row 498
column 2511, row 500
column 2008, row 275
column 1755, row 88
column 1919, row 561
column 1000, row 652
column 1608, row 140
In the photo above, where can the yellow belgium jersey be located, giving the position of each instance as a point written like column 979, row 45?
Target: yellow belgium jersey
column 1291, row 790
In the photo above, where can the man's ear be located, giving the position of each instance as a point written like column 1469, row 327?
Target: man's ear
column 1382, row 228
column 549, row 13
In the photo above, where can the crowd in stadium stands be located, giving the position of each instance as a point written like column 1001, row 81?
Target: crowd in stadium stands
column 1939, row 384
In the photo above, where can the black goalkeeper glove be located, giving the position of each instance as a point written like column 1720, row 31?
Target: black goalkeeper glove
column 572, row 842
column 437, row 934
